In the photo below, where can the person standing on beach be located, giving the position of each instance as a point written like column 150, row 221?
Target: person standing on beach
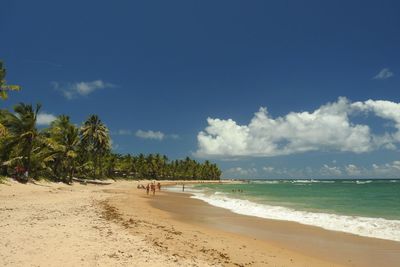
column 159, row 186
column 153, row 188
column 183, row 187
column 147, row 189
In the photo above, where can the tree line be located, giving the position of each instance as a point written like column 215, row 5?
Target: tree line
column 63, row 150
column 156, row 166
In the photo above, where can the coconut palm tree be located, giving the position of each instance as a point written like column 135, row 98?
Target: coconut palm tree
column 22, row 134
column 64, row 138
column 4, row 87
column 96, row 140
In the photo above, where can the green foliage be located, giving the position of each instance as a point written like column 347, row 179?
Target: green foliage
column 160, row 168
column 63, row 142
column 4, row 87
column 23, row 136
column 96, row 141
column 63, row 151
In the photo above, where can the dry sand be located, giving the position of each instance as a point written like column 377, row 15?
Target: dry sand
column 118, row 225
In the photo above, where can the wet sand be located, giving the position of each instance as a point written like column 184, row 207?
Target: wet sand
column 336, row 247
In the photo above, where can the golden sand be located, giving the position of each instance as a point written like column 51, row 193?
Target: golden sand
column 53, row 224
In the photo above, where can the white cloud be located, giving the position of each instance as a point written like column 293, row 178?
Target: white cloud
column 157, row 135
column 327, row 170
column 352, row 170
column 241, row 172
column 383, row 74
column 44, row 118
column 396, row 165
column 146, row 134
column 268, row 169
column 73, row 90
column 327, row 128
column 387, row 170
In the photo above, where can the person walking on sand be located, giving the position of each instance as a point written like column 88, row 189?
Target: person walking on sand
column 159, row 186
column 147, row 189
column 153, row 188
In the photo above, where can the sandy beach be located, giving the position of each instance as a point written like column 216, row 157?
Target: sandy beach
column 48, row 224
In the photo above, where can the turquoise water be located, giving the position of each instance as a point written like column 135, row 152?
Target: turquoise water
column 368, row 198
column 363, row 207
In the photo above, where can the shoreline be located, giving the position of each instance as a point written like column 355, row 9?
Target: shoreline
column 327, row 245
column 119, row 225
column 360, row 225
column 186, row 239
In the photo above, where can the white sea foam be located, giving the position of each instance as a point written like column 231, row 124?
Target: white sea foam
column 270, row 182
column 363, row 226
column 292, row 181
column 267, row 181
column 363, row 182
column 303, row 181
column 312, row 181
column 178, row 189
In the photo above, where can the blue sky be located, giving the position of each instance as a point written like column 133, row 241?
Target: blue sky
column 154, row 71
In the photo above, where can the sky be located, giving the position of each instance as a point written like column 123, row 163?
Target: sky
column 267, row 89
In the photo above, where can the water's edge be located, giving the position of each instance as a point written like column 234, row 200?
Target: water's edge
column 358, row 225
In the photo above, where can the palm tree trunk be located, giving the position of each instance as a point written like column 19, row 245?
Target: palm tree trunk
column 95, row 162
column 101, row 168
column 28, row 162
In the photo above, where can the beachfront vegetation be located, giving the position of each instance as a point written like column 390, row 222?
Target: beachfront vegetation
column 63, row 151
column 4, row 87
column 160, row 168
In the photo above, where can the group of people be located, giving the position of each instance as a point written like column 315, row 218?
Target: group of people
column 152, row 186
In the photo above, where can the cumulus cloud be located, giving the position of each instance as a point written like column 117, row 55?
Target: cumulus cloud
column 327, row 170
column 352, row 170
column 73, row 90
column 383, row 74
column 44, row 118
column 241, row 172
column 386, row 170
column 156, row 135
column 396, row 165
column 268, row 169
column 328, row 128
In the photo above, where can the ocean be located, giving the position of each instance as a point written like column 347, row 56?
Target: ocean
column 363, row 207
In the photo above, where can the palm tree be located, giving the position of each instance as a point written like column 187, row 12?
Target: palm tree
column 4, row 87
column 22, row 132
column 96, row 139
column 65, row 139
